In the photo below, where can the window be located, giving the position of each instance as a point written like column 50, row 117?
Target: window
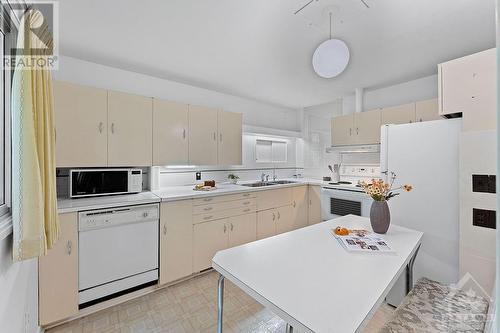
column 7, row 36
column 4, row 121
column 270, row 151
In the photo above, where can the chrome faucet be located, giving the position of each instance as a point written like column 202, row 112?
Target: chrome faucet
column 267, row 178
column 262, row 177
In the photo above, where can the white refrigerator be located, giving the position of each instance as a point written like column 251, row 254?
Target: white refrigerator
column 426, row 155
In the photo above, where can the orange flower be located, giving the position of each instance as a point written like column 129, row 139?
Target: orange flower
column 407, row 187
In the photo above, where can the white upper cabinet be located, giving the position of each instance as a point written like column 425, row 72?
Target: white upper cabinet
column 202, row 135
column 99, row 128
column 230, row 138
column 170, row 133
column 342, row 128
column 367, row 127
column 399, row 114
column 129, row 130
column 81, row 125
column 468, row 85
column 357, row 128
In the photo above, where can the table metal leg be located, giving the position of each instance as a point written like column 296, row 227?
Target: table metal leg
column 409, row 271
column 289, row 328
column 220, row 303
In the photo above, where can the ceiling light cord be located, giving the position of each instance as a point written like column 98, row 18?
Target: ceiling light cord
column 330, row 25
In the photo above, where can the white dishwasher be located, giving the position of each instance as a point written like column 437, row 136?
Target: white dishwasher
column 118, row 251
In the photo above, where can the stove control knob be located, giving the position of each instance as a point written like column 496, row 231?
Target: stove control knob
column 145, row 214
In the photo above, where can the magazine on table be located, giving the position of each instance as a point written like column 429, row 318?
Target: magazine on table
column 363, row 241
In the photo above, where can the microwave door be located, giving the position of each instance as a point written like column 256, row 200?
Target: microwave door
column 98, row 182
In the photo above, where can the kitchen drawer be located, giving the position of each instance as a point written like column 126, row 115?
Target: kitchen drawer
column 200, row 218
column 223, row 198
column 274, row 198
column 217, row 206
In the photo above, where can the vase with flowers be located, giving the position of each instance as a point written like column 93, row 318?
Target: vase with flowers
column 381, row 191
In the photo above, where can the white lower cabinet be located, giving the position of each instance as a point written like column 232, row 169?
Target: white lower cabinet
column 266, row 223
column 210, row 237
column 284, row 219
column 58, row 275
column 300, row 206
column 274, row 221
column 242, row 229
column 314, row 210
column 176, row 240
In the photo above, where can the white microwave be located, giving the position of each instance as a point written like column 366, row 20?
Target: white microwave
column 97, row 182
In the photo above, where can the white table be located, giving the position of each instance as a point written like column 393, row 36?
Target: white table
column 309, row 280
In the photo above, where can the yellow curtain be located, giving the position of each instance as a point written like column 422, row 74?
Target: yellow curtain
column 34, row 199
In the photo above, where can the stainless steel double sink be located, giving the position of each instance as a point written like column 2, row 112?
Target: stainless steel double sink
column 271, row 183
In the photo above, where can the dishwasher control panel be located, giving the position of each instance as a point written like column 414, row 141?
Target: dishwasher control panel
column 103, row 218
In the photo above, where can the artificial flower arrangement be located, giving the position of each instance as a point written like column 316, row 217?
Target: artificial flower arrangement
column 380, row 190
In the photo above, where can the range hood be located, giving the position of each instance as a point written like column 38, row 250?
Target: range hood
column 374, row 148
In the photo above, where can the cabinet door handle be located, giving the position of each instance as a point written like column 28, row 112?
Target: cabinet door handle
column 215, row 138
column 420, row 119
column 225, row 228
column 310, row 202
column 207, row 199
column 207, row 217
column 232, row 227
column 100, row 127
column 279, row 216
column 69, row 246
column 246, row 210
column 246, row 194
column 184, row 133
column 207, row 208
column 294, row 204
column 274, row 217
column 350, row 131
column 113, row 128
column 165, row 229
column 220, row 137
column 357, row 131
column 246, row 202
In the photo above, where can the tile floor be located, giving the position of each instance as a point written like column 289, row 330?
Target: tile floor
column 190, row 306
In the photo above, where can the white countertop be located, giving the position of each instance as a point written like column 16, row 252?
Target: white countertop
column 308, row 279
column 171, row 193
column 67, row 205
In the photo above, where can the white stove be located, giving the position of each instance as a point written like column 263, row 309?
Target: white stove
column 346, row 196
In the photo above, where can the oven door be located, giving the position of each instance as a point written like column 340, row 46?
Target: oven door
column 336, row 203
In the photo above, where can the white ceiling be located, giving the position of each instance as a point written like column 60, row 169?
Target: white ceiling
column 258, row 49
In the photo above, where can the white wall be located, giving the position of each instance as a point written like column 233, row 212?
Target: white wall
column 411, row 91
column 316, row 138
column 18, row 292
column 254, row 112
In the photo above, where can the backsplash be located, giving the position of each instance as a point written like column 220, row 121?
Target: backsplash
column 163, row 177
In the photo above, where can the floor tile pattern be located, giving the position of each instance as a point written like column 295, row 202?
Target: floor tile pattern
column 187, row 307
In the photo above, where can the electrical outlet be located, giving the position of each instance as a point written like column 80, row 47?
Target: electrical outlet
column 198, row 175
column 484, row 218
column 484, row 183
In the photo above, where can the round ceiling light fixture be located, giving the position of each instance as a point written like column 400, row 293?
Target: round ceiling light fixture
column 331, row 57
